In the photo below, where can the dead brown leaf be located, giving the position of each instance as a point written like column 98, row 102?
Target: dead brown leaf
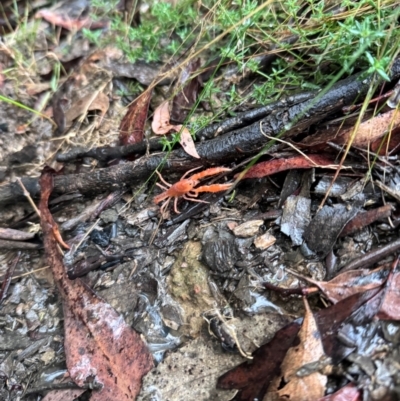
column 372, row 129
column 310, row 349
column 348, row 283
column 274, row 166
column 352, row 282
column 161, row 126
column 131, row 129
column 59, row 16
column 63, row 395
column 86, row 89
column 97, row 101
column 390, row 308
column 189, row 89
column 350, row 392
column 366, row 218
column 100, row 347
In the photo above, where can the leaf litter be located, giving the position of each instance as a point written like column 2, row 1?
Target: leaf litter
column 100, row 347
column 135, row 258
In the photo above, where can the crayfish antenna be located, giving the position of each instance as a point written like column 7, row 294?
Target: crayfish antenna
column 188, row 172
column 162, row 179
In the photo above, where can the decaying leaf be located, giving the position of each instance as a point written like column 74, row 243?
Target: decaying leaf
column 372, row 129
column 187, row 96
column 270, row 167
column 353, row 282
column 390, row 305
column 365, row 218
column 252, row 379
column 327, row 224
column 302, row 388
column 349, row 283
column 161, row 126
column 60, row 18
column 86, row 89
column 100, row 347
column 131, row 129
column 96, row 101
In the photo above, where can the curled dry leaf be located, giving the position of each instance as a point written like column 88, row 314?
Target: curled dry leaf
column 162, row 126
column 99, row 345
column 348, row 283
column 253, row 379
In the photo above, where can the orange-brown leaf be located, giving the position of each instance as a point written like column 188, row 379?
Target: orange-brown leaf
column 99, row 344
column 312, row 386
column 372, row 129
column 270, row 167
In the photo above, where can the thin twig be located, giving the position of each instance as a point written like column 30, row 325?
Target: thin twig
column 28, row 196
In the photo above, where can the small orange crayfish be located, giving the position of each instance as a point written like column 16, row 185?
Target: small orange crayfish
column 185, row 187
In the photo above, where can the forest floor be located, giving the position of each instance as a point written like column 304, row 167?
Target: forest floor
column 199, row 201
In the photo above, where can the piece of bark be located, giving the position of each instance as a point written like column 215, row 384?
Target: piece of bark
column 15, row 235
column 324, row 229
column 7, row 279
column 4, row 244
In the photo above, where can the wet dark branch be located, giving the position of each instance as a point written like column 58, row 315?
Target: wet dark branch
column 243, row 119
column 224, row 149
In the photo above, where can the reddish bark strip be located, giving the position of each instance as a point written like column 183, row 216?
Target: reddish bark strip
column 270, row 167
column 364, row 219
